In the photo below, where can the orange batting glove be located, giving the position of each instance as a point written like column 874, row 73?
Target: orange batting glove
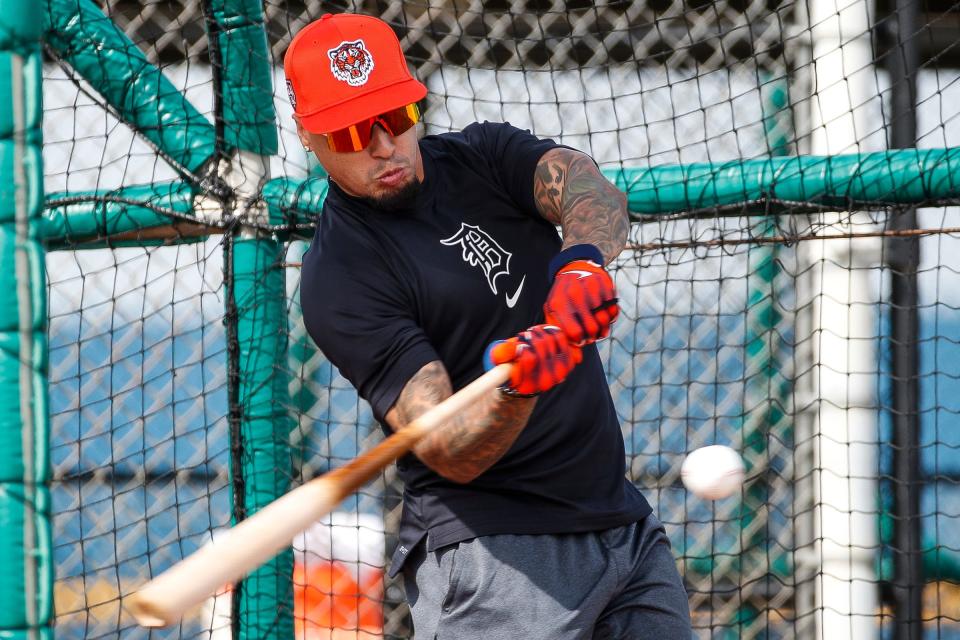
column 583, row 299
column 542, row 357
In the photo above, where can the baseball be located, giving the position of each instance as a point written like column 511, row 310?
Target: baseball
column 712, row 472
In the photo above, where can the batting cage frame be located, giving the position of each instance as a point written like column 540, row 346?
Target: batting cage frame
column 826, row 538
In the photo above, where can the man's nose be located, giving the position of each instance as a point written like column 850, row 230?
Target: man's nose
column 381, row 142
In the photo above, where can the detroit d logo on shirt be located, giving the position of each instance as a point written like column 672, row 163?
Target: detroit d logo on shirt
column 480, row 250
column 351, row 62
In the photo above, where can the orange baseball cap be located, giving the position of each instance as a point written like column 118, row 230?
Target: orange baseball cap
column 344, row 68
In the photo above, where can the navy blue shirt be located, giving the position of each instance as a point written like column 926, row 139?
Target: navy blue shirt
column 386, row 292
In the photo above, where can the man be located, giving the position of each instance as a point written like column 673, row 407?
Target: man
column 518, row 521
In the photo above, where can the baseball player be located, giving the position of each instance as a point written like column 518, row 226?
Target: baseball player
column 437, row 256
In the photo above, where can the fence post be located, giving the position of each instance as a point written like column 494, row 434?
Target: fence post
column 258, row 375
column 26, row 583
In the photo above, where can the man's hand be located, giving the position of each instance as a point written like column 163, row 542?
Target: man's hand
column 542, row 357
column 583, row 299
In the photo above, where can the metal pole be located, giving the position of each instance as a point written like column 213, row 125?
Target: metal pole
column 836, row 388
column 903, row 258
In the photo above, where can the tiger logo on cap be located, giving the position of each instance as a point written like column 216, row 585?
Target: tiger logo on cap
column 351, row 62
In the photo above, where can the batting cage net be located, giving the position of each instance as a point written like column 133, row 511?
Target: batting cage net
column 790, row 289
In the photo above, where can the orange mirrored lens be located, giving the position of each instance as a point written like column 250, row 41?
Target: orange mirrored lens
column 356, row 137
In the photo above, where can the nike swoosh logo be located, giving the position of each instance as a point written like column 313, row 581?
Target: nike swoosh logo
column 512, row 300
column 583, row 274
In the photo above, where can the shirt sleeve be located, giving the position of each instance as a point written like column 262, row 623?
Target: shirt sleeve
column 511, row 155
column 362, row 324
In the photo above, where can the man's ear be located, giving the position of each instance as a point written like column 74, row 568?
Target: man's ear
column 302, row 133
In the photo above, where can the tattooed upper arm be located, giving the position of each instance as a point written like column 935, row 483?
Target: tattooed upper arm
column 570, row 191
column 548, row 182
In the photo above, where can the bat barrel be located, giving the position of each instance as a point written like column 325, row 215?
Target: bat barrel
column 242, row 549
column 165, row 599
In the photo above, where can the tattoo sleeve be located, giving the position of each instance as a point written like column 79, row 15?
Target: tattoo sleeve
column 471, row 442
column 570, row 191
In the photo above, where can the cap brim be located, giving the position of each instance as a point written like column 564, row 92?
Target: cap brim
column 343, row 115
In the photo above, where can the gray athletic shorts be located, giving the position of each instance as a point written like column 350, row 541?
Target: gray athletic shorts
column 618, row 583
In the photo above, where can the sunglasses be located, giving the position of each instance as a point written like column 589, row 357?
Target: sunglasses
column 356, row 137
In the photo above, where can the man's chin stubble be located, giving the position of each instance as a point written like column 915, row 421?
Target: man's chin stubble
column 403, row 198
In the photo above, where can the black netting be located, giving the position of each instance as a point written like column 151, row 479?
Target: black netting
column 740, row 324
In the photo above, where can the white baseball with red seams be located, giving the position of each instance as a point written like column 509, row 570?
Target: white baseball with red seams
column 713, row 472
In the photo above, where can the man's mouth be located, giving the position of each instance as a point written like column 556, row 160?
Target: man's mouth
column 391, row 178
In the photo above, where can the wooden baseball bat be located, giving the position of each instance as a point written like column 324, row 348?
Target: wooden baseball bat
column 166, row 598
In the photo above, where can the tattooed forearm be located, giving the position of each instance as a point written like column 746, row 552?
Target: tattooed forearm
column 571, row 191
column 427, row 387
column 469, row 443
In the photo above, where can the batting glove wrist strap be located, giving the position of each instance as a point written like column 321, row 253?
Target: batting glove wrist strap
column 541, row 356
column 576, row 252
column 583, row 299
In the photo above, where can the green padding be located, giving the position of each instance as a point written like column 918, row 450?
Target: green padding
column 9, row 315
column 908, row 176
column 939, row 562
column 259, row 292
column 26, row 572
column 295, row 201
column 872, row 179
column 11, row 418
column 19, row 27
column 99, row 51
column 32, row 165
column 248, row 113
column 12, row 550
column 26, row 113
column 45, row 633
column 98, row 214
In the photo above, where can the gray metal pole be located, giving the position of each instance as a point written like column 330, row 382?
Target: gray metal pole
column 903, row 258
